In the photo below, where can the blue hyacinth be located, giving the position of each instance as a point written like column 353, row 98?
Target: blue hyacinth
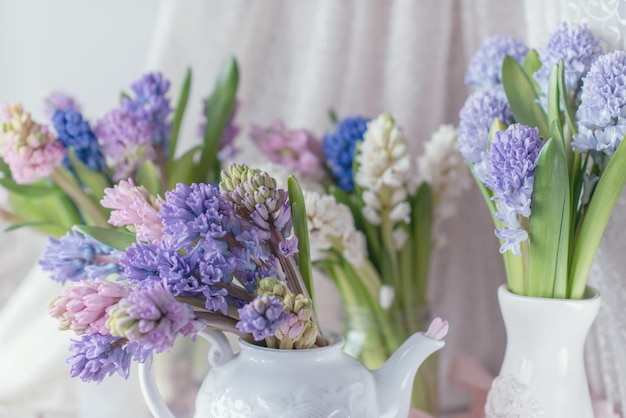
column 578, row 47
column 475, row 120
column 601, row 118
column 76, row 257
column 485, row 68
column 74, row 132
column 511, row 166
column 339, row 149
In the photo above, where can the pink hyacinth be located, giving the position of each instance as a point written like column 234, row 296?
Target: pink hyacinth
column 437, row 329
column 30, row 149
column 297, row 149
column 132, row 206
column 82, row 307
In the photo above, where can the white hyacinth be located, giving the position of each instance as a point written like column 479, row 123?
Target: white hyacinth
column 384, row 169
column 443, row 168
column 331, row 225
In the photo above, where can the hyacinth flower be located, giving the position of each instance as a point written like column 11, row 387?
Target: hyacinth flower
column 484, row 70
column 552, row 174
column 339, row 149
column 578, row 47
column 296, row 149
column 370, row 230
column 56, row 175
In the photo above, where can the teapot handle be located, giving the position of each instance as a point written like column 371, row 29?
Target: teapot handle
column 220, row 353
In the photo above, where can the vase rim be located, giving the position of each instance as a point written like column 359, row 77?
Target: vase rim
column 335, row 341
column 591, row 295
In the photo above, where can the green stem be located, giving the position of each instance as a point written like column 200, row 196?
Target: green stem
column 71, row 188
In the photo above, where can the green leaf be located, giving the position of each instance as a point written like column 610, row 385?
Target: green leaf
column 531, row 65
column 549, row 224
column 598, row 214
column 148, row 177
column 114, row 238
column 554, row 109
column 301, row 230
column 95, row 181
column 522, row 96
column 422, row 222
column 181, row 105
column 565, row 102
column 218, row 110
column 56, row 209
column 28, row 190
column 182, row 169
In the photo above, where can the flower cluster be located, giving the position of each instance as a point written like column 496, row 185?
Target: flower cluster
column 543, row 171
column 370, row 221
column 70, row 163
column 204, row 255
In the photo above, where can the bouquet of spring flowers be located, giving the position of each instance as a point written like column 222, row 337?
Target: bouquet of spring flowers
column 232, row 257
column 55, row 175
column 371, row 209
column 543, row 134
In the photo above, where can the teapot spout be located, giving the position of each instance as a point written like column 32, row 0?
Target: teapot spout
column 394, row 380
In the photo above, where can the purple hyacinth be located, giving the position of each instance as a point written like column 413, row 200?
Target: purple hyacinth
column 141, row 264
column 74, row 132
column 153, row 106
column 578, row 47
column 196, row 211
column 153, row 318
column 58, row 100
column 96, row 356
column 126, row 139
column 485, row 68
column 75, row 257
column 226, row 147
column 339, row 147
column 262, row 317
column 475, row 120
column 602, row 112
column 511, row 166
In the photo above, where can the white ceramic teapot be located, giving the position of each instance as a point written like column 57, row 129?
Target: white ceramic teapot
column 321, row 382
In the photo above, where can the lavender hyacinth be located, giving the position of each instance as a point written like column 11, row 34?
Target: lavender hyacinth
column 262, row 317
column 75, row 257
column 96, row 356
column 601, row 116
column 153, row 106
column 476, row 117
column 126, row 139
column 152, row 318
column 485, row 68
column 578, row 47
column 511, row 166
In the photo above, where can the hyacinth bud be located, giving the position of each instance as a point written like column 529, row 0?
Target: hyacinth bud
column 121, row 324
column 309, row 336
column 272, row 286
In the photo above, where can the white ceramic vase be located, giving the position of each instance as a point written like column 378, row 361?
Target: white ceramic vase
column 324, row 382
column 543, row 372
